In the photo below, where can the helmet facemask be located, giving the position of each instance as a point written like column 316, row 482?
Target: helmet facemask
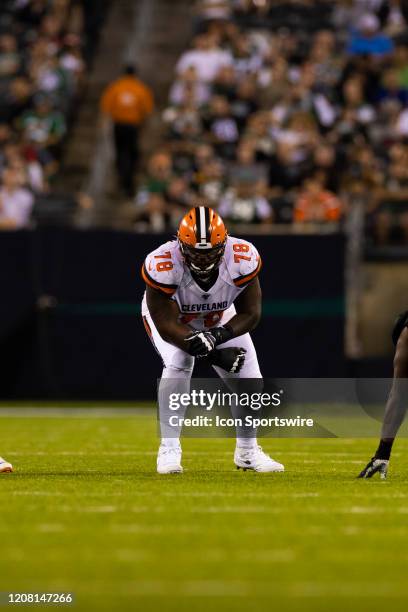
column 202, row 262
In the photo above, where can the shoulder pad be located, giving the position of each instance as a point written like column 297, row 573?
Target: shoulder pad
column 243, row 260
column 163, row 268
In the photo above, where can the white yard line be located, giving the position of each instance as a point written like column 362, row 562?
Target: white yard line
column 75, row 412
column 50, row 527
column 254, row 588
column 129, row 528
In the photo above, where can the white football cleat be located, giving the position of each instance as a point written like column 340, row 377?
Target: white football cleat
column 255, row 459
column 5, row 466
column 169, row 460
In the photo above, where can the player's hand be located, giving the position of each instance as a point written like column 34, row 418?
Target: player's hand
column 200, row 343
column 229, row 359
column 374, row 466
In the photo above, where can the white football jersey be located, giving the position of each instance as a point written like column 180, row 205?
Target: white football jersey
column 164, row 269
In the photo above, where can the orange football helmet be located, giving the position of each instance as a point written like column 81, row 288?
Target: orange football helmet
column 202, row 237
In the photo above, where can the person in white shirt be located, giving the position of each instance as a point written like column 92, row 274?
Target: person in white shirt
column 206, row 57
column 16, row 202
column 214, row 9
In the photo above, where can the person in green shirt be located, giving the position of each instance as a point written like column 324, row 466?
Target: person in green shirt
column 42, row 125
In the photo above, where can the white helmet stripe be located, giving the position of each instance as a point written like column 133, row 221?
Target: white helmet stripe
column 202, row 225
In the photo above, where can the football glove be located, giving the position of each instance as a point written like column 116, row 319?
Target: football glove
column 200, row 343
column 373, row 466
column 229, row 359
column 222, row 334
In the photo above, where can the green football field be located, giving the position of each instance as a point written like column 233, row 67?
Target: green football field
column 85, row 512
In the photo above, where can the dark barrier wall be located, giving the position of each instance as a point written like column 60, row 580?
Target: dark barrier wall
column 70, row 312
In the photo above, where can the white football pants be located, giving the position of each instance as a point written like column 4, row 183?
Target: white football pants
column 177, row 371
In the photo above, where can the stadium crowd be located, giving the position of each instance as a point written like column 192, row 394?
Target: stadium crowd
column 287, row 112
column 44, row 50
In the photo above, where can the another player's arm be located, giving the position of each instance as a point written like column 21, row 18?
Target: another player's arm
column 396, row 407
column 397, row 403
column 165, row 312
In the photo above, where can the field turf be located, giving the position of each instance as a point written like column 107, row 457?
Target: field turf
column 85, row 512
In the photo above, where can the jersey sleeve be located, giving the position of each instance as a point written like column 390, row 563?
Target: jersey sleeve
column 245, row 262
column 160, row 272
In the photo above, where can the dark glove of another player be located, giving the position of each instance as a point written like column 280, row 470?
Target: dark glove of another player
column 374, row 466
column 229, row 359
column 201, row 343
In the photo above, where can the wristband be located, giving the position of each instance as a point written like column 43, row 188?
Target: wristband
column 222, row 334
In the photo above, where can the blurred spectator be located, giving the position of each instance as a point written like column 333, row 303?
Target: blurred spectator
column 221, row 127
column 206, row 57
column 209, row 177
column 389, row 209
column 247, row 169
column 29, row 167
column 290, row 111
column 391, row 89
column 368, row 40
column 188, row 86
column 325, row 161
column 42, row 69
column 315, row 204
column 160, row 173
column 184, row 119
column 127, row 102
column 17, row 99
column 241, row 204
column 157, row 181
column 16, row 201
column 154, row 216
column 214, row 9
column 10, row 59
column 42, row 125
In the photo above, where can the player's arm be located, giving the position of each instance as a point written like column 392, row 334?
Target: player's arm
column 164, row 312
column 249, row 309
column 248, row 306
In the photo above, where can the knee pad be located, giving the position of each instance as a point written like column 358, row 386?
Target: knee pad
column 172, row 371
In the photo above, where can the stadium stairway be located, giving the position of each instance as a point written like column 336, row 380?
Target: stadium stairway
column 150, row 33
column 82, row 139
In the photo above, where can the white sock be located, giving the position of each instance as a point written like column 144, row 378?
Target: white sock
column 173, row 381
column 247, row 443
column 170, row 442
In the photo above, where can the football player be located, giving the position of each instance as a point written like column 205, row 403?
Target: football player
column 5, row 466
column 202, row 299
column 397, row 403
